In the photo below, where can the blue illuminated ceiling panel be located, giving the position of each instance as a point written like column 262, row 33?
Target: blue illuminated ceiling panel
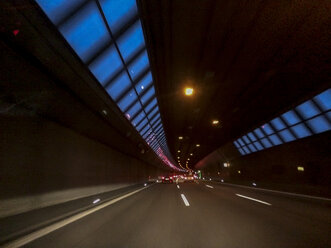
column 108, row 37
column 309, row 118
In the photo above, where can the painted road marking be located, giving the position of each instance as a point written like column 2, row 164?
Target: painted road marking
column 277, row 191
column 253, row 199
column 209, row 186
column 187, row 204
column 46, row 230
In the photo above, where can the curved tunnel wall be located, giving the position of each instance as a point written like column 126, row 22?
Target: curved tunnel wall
column 291, row 152
column 62, row 137
column 43, row 163
column 276, row 167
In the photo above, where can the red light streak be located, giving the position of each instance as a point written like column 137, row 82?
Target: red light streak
column 16, row 31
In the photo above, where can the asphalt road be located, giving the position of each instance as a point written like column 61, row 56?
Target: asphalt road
column 217, row 216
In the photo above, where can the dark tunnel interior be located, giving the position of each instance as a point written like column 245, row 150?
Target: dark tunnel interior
column 184, row 123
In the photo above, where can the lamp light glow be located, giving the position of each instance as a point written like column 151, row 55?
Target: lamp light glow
column 188, row 91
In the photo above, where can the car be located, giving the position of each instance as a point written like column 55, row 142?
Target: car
column 167, row 179
column 189, row 178
column 180, row 179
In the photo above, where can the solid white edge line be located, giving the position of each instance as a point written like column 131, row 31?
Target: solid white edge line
column 209, row 186
column 276, row 191
column 253, row 199
column 178, row 186
column 187, row 204
column 46, row 230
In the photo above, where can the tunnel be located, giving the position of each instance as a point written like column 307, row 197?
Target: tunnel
column 165, row 123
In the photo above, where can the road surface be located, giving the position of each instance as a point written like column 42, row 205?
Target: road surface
column 200, row 214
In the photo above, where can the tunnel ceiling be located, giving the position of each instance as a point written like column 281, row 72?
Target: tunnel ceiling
column 247, row 61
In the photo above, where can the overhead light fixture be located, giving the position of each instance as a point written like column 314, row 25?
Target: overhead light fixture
column 191, row 154
column 215, row 122
column 188, row 159
column 178, row 151
column 180, row 137
column 300, row 168
column 178, row 157
column 188, row 91
column 197, row 145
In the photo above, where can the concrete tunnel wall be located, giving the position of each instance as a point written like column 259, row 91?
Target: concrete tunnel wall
column 276, row 167
column 43, row 163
